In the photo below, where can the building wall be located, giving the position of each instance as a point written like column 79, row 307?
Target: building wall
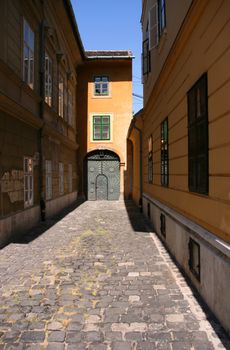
column 194, row 55
column 201, row 46
column 134, row 155
column 175, row 13
column 118, row 105
column 29, row 127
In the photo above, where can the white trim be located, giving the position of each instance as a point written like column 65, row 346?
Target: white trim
column 109, row 86
column 153, row 27
column 31, row 58
column 29, row 179
column 48, row 168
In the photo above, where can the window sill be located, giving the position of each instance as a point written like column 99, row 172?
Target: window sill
column 101, row 96
column 101, row 141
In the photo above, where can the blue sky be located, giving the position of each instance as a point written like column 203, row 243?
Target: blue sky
column 112, row 25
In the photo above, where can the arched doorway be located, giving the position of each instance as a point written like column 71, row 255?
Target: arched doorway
column 102, row 175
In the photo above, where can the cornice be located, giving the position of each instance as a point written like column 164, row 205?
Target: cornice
column 50, row 131
column 195, row 11
column 15, row 110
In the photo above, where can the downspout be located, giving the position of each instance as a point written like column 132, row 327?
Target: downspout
column 41, row 115
column 141, row 185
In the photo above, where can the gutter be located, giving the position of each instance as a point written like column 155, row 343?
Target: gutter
column 109, row 57
column 41, row 111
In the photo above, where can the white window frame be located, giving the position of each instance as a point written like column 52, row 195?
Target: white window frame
column 61, row 178
column 70, row 177
column 100, row 94
column 70, row 107
column 49, row 179
column 48, row 79
column 28, row 182
column 28, row 46
column 153, row 27
column 61, row 95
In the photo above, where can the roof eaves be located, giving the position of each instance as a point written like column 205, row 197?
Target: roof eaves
column 70, row 12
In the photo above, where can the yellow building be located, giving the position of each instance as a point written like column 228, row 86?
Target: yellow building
column 44, row 120
column 40, row 50
column 186, row 139
column 104, row 114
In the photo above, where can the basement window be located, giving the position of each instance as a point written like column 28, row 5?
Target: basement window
column 194, row 258
column 148, row 211
column 163, row 225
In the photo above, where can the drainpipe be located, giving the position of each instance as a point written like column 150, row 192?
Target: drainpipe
column 141, row 186
column 41, row 115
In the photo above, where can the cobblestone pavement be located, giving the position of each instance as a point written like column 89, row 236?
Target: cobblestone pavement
column 100, row 280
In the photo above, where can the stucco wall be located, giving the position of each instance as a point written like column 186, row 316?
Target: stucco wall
column 118, row 105
column 201, row 46
column 214, row 284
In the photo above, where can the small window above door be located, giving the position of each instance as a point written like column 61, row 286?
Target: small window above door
column 101, row 85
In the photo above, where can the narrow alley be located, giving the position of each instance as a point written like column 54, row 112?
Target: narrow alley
column 99, row 279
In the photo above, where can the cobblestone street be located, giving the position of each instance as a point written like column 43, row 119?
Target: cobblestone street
column 99, row 279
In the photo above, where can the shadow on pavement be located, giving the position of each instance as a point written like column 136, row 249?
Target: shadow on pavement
column 43, row 226
column 137, row 219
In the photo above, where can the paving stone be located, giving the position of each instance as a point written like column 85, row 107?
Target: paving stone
column 32, row 337
column 94, row 337
column 138, row 301
column 98, row 347
column 56, row 336
column 73, row 337
column 181, row 345
column 55, row 326
column 55, row 346
column 121, row 346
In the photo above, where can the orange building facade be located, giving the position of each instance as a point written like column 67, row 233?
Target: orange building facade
column 104, row 115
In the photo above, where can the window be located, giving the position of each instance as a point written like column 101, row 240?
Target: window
column 194, row 258
column 28, row 55
column 70, row 177
column 48, row 80
column 101, row 86
column 146, row 67
column 163, row 225
column 28, row 182
column 61, row 178
column 48, row 179
column 198, row 136
column 61, row 96
column 157, row 22
column 164, row 153
column 149, row 211
column 161, row 17
column 150, row 159
column 101, row 127
column 70, row 108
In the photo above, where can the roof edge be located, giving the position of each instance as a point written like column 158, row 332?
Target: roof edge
column 70, row 12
